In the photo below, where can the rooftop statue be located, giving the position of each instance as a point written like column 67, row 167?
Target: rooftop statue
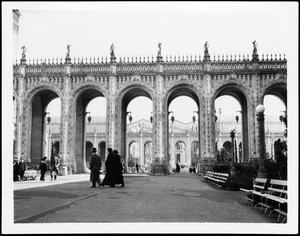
column 159, row 49
column 254, row 47
column 206, row 48
column 24, row 52
column 68, row 52
column 112, row 48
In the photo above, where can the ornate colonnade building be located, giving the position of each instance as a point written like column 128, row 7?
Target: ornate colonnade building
column 77, row 82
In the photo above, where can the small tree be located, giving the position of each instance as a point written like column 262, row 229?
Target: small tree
column 223, row 156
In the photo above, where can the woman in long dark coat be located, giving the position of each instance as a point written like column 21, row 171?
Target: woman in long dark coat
column 109, row 178
column 119, row 169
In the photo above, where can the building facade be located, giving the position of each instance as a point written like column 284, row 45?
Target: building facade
column 77, row 82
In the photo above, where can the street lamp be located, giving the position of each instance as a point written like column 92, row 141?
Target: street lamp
column 89, row 117
column 262, row 173
column 172, row 117
column 130, row 117
column 237, row 116
column 151, row 117
column 48, row 117
column 194, row 118
column 232, row 135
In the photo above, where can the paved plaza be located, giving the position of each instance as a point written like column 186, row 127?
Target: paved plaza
column 182, row 197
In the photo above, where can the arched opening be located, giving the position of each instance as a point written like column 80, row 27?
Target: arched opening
column 231, row 113
column 148, row 154
column 183, row 121
column 133, row 154
column 136, row 109
column 102, row 151
column 42, row 110
column 88, row 147
column 90, row 105
column 194, row 153
column 180, row 155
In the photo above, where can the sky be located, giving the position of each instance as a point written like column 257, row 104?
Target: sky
column 136, row 28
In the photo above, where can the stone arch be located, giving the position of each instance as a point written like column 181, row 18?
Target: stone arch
column 180, row 151
column 79, row 98
column 33, row 138
column 245, row 97
column 277, row 88
column 183, row 88
column 123, row 97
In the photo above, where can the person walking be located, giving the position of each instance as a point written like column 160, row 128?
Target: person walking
column 109, row 178
column 177, row 167
column 95, row 166
column 55, row 162
column 137, row 167
column 22, row 168
column 43, row 168
column 119, row 169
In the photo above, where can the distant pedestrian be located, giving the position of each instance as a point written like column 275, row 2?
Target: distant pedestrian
column 55, row 162
column 119, row 169
column 95, row 166
column 109, row 178
column 177, row 167
column 22, row 168
column 16, row 170
column 137, row 167
column 43, row 168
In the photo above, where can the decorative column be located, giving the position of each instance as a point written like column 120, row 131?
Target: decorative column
column 67, row 159
column 160, row 165
column 188, row 150
column 21, row 153
column 232, row 170
column 141, row 154
column 207, row 161
column 262, row 173
column 111, row 116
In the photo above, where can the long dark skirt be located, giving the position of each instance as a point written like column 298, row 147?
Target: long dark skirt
column 109, row 178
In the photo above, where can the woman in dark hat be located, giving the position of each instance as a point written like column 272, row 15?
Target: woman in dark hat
column 109, row 178
column 43, row 167
column 118, row 169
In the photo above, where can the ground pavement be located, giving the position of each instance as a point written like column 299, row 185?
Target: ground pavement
column 182, row 197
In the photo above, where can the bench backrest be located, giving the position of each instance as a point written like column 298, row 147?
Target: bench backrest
column 260, row 184
column 222, row 176
column 278, row 188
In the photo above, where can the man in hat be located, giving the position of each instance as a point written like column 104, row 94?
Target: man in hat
column 43, row 168
column 95, row 166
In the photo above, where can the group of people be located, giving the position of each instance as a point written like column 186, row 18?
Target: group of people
column 53, row 167
column 113, row 166
column 19, row 169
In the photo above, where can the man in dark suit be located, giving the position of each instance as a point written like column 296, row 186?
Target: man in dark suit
column 95, row 166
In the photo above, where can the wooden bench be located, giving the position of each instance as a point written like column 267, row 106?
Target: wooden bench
column 275, row 199
column 269, row 195
column 216, row 178
column 255, row 195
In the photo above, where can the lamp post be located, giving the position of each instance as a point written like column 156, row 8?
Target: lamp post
column 232, row 135
column 151, row 117
column 262, row 173
column 172, row 117
column 130, row 117
column 84, row 141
